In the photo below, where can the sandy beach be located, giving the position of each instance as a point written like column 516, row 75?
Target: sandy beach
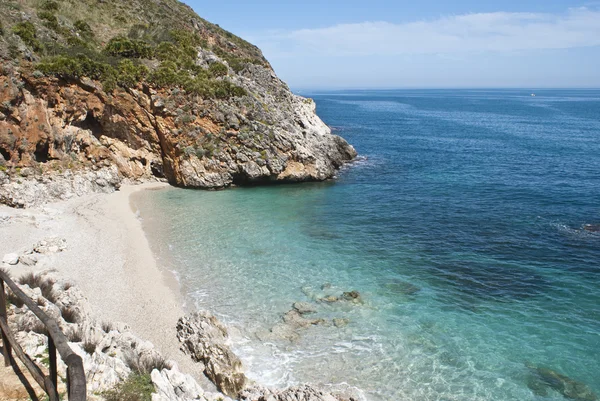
column 109, row 258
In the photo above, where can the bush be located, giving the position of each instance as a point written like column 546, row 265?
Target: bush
column 28, row 34
column 166, row 75
column 135, row 388
column 218, row 70
column 75, row 67
column 50, row 20
column 49, row 5
column 124, row 47
column 83, row 28
column 129, row 74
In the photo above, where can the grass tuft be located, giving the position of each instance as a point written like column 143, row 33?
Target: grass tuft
column 89, row 346
column 145, row 365
column 107, row 327
column 70, row 315
column 75, row 335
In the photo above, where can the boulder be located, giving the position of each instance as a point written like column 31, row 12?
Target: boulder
column 172, row 385
column 10, row 259
column 204, row 338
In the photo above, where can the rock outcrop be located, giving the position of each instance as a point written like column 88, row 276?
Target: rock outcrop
column 204, row 338
column 110, row 352
column 301, row 393
column 63, row 133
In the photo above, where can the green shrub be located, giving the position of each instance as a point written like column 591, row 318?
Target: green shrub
column 218, row 70
column 83, row 28
column 129, row 74
column 166, row 75
column 124, row 47
column 49, row 5
column 27, row 32
column 50, row 20
column 135, row 388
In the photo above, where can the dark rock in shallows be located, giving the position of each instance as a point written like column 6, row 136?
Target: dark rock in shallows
column 402, row 287
column 593, row 228
column 305, row 308
column 569, row 388
column 353, row 296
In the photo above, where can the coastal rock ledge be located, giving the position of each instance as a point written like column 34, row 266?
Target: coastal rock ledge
column 63, row 137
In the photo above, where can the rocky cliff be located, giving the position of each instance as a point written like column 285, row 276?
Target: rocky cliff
column 96, row 92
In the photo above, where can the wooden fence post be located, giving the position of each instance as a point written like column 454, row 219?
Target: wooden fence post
column 53, row 367
column 4, row 315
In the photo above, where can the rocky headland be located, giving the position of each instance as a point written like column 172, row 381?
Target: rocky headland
column 88, row 103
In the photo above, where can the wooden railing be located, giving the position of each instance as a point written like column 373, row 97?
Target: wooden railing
column 57, row 341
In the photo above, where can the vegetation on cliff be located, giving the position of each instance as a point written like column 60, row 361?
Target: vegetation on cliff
column 66, row 41
column 150, row 88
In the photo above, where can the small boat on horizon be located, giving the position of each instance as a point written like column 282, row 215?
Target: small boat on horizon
column 533, row 95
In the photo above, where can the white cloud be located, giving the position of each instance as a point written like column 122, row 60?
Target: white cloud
column 498, row 31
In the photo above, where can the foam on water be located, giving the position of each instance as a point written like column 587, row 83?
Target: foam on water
column 461, row 227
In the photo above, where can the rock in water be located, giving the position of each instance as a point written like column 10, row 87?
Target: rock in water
column 402, row 287
column 305, row 308
column 593, row 228
column 11, row 259
column 203, row 337
column 569, row 388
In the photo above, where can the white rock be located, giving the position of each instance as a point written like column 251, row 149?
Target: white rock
column 10, row 259
column 172, row 385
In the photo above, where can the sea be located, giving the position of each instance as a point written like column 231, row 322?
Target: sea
column 462, row 226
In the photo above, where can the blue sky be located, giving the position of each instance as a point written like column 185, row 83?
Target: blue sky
column 420, row 44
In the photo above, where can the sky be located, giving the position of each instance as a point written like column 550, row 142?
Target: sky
column 351, row 44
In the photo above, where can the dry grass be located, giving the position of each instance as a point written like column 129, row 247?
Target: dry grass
column 107, row 327
column 89, row 346
column 69, row 315
column 75, row 335
column 46, row 285
column 145, row 365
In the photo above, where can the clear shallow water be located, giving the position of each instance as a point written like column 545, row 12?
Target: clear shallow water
column 475, row 197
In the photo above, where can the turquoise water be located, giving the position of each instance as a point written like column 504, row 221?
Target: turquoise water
column 475, row 198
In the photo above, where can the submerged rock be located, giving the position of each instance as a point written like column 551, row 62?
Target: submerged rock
column 543, row 378
column 341, row 322
column 305, row 308
column 349, row 296
column 352, row 296
column 593, row 228
column 402, row 287
column 204, row 338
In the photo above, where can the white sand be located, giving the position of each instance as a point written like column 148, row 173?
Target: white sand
column 110, row 259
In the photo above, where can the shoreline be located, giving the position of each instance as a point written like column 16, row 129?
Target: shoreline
column 108, row 256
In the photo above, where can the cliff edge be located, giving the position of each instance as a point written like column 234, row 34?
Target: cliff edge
column 96, row 92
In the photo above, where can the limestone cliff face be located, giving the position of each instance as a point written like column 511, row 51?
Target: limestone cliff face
column 52, row 127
